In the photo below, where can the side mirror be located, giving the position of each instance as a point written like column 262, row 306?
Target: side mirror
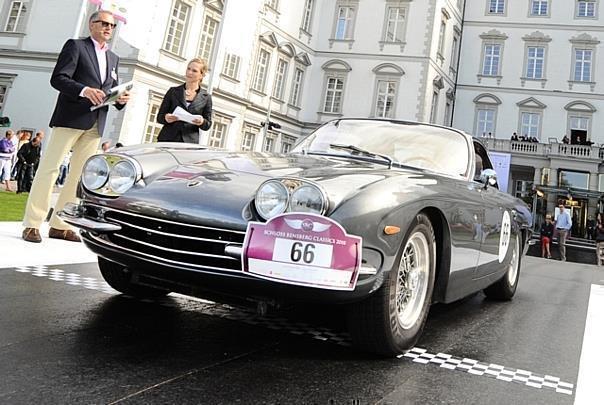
column 488, row 177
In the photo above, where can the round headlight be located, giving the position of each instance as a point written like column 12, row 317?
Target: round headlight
column 122, row 177
column 307, row 198
column 271, row 199
column 95, row 173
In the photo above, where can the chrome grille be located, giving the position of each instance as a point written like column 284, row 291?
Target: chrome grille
column 174, row 242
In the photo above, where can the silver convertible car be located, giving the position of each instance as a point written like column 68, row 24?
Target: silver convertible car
column 382, row 217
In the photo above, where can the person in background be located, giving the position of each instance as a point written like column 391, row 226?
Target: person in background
column 7, row 151
column 599, row 239
column 514, row 136
column 565, row 139
column 190, row 97
column 24, row 138
column 86, row 69
column 105, row 146
column 29, row 156
column 563, row 225
column 547, row 233
column 590, row 232
column 63, row 170
column 119, row 145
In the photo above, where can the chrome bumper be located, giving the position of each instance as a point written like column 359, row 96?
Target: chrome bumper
column 73, row 215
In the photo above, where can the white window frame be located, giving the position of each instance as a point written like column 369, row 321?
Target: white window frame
column 386, row 107
column 307, row 16
column 532, row 62
column 280, row 78
column 494, row 7
column 208, row 35
column 152, row 127
column 539, row 8
column 483, row 120
column 287, row 143
column 344, row 29
column 580, row 110
column 491, row 56
column 174, row 43
column 263, row 64
column 274, row 4
column 219, row 132
column 297, row 86
column 334, row 93
column 248, row 137
column 231, row 66
column 583, row 63
column 434, row 105
column 586, row 9
column 3, row 92
column 269, row 142
column 527, row 123
column 395, row 26
column 16, row 23
column 485, row 102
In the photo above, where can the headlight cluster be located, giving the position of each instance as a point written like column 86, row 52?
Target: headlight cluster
column 110, row 175
column 277, row 196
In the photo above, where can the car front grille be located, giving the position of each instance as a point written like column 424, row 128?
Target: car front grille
column 174, row 242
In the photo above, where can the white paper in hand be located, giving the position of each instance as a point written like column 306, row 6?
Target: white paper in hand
column 113, row 95
column 184, row 115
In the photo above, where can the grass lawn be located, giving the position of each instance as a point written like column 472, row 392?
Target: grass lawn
column 12, row 206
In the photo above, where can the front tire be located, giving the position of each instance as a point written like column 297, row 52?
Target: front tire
column 119, row 279
column 392, row 319
column 505, row 288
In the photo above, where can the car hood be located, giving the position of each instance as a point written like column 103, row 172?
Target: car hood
column 220, row 186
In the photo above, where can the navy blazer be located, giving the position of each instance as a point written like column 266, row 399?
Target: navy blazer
column 180, row 131
column 77, row 67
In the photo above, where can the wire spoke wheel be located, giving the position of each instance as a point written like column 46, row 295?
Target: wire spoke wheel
column 412, row 280
column 512, row 273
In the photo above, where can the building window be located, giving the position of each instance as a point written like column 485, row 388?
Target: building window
column 530, row 124
column 567, row 178
column 539, row 7
column 2, row 96
column 344, row 23
column 455, row 52
column 264, row 58
column 492, row 56
column 448, row 111
column 274, row 4
column 297, row 87
column 287, row 143
column 307, row 15
column 219, row 131
column 152, row 127
column 386, row 94
column 496, row 6
column 17, row 13
column 395, row 24
column 434, row 107
column 269, row 143
column 485, row 121
column 583, row 59
column 280, row 79
column 231, row 66
column 175, row 37
column 535, row 62
column 333, row 95
column 206, row 42
column 249, row 137
column 441, row 37
column 586, row 9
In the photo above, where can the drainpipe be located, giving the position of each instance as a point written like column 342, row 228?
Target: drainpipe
column 463, row 18
column 214, row 54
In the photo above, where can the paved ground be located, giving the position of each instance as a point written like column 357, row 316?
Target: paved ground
column 66, row 337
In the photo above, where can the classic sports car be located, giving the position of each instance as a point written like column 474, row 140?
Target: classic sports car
column 384, row 217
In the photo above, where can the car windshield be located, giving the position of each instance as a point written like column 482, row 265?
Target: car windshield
column 422, row 146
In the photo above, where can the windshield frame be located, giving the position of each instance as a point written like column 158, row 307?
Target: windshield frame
column 301, row 146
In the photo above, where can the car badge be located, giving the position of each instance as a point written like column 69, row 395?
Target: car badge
column 307, row 225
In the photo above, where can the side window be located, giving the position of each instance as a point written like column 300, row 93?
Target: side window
column 482, row 160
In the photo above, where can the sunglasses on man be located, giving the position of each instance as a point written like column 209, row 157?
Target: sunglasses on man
column 106, row 24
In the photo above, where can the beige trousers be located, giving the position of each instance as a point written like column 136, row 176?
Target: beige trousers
column 83, row 143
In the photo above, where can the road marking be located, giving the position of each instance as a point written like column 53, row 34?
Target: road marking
column 589, row 382
column 250, row 317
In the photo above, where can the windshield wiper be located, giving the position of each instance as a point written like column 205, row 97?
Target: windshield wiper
column 356, row 149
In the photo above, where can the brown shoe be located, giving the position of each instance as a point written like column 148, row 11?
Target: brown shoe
column 31, row 235
column 65, row 234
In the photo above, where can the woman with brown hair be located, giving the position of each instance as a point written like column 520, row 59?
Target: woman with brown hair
column 193, row 99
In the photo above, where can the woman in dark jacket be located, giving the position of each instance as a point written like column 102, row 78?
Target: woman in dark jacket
column 190, row 97
column 547, row 233
column 599, row 240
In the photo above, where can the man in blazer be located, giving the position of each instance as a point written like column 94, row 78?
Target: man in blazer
column 85, row 71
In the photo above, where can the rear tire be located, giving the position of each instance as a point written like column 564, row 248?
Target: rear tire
column 505, row 288
column 120, row 280
column 392, row 319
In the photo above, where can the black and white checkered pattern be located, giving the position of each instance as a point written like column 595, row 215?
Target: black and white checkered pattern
column 250, row 317
column 496, row 371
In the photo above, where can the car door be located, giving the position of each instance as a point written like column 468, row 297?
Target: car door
column 495, row 222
